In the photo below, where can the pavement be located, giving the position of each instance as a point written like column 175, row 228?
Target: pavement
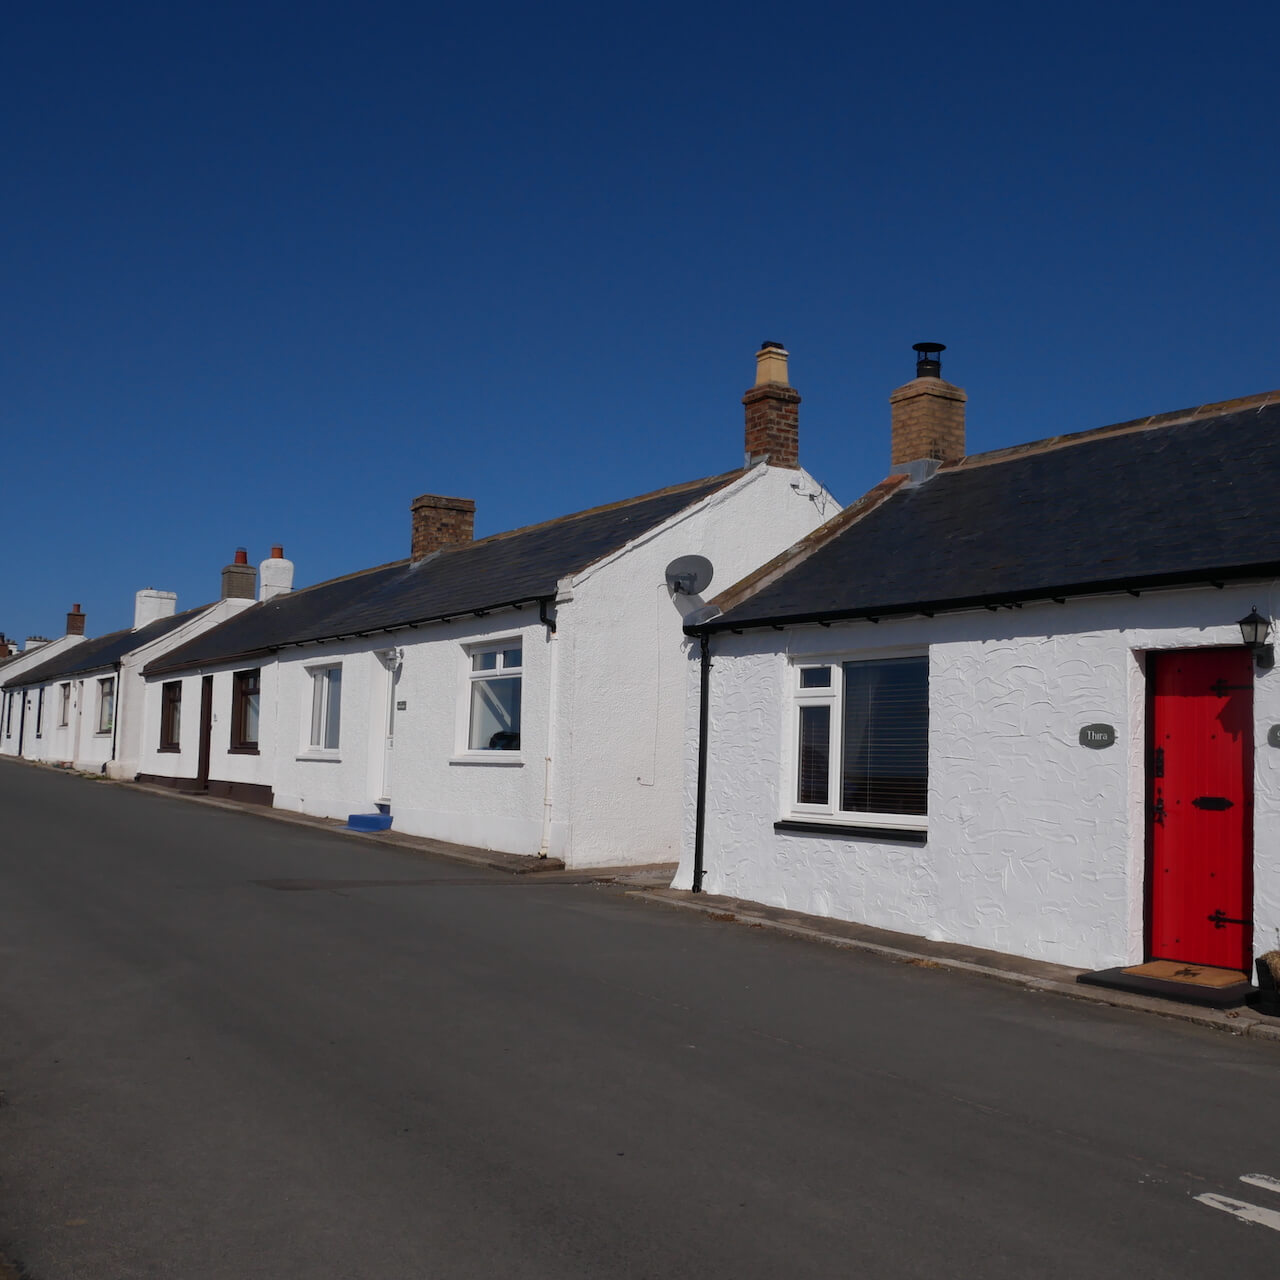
column 650, row 882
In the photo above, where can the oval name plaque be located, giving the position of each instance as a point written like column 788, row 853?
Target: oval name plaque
column 1273, row 736
column 1097, row 736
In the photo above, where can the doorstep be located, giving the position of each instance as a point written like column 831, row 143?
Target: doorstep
column 1190, row 983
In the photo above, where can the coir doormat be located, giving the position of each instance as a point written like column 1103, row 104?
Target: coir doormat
column 1176, row 980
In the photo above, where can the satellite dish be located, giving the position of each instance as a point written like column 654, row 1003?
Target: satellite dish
column 689, row 575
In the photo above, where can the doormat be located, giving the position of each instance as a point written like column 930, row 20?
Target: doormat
column 1176, row 980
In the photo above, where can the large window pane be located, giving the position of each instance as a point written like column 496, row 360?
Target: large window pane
column 886, row 737
column 815, row 754
column 333, row 708
column 495, row 715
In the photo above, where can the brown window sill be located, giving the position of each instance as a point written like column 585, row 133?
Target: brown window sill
column 173, row 750
column 243, row 751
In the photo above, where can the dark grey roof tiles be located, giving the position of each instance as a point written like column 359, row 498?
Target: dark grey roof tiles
column 101, row 652
column 507, row 568
column 1184, row 502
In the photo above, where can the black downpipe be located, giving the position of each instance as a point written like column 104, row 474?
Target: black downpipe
column 115, row 716
column 700, row 821
column 22, row 722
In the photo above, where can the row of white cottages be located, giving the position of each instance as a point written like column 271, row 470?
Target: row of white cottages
column 1003, row 700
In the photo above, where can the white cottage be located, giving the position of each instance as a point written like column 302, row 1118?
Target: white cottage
column 38, row 650
column 1005, row 700
column 522, row 692
column 84, row 706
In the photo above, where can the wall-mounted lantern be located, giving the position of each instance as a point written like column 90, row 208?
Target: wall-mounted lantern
column 1254, row 631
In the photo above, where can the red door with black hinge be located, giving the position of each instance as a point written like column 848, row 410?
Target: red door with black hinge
column 1200, row 895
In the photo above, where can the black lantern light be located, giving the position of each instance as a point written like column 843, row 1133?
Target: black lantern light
column 1254, row 631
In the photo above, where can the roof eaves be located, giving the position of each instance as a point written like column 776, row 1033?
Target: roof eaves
column 1005, row 599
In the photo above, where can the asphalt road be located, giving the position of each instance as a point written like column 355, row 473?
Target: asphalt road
column 478, row 1075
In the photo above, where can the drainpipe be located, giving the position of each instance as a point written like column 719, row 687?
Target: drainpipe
column 553, row 693
column 22, row 722
column 700, row 821
column 115, row 715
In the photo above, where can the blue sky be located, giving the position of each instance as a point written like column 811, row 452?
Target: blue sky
column 271, row 270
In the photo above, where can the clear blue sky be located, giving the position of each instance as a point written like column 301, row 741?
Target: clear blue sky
column 270, row 270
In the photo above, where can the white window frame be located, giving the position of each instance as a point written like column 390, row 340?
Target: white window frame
column 464, row 752
column 832, row 696
column 64, row 705
column 106, row 689
column 321, row 711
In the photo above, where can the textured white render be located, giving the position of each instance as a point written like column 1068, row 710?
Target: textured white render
column 1036, row 845
column 622, row 685
column 275, row 577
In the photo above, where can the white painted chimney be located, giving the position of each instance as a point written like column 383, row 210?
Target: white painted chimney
column 34, row 642
column 275, row 576
column 150, row 605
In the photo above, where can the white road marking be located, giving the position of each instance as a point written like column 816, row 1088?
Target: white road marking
column 1261, row 1180
column 1244, row 1210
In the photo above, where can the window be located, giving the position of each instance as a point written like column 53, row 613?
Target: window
column 495, row 698
column 246, row 698
column 64, row 706
column 40, row 711
column 170, row 714
column 106, row 704
column 862, row 740
column 326, row 707
column 8, row 715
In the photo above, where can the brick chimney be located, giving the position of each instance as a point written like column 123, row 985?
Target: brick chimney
column 75, row 621
column 773, row 412
column 441, row 522
column 239, row 578
column 927, row 414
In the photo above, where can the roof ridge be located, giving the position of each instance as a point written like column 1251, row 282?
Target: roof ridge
column 724, row 478
column 1172, row 418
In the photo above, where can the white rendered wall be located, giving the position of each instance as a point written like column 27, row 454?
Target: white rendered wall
column 1036, row 845
column 138, row 713
column 16, row 667
column 623, row 696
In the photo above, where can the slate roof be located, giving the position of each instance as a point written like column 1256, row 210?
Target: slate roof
column 1181, row 498
column 518, row 567
column 100, row 652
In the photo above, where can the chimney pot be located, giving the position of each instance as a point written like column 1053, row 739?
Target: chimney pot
column 772, row 411
column 927, row 414
column 277, row 553
column 440, row 522
column 242, row 555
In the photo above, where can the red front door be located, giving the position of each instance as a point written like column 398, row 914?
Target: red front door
column 1200, row 808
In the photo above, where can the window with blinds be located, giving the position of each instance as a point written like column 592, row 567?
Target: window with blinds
column 872, row 720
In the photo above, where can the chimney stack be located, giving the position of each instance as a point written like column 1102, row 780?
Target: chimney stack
column 773, row 412
column 927, row 414
column 150, row 605
column 34, row 642
column 441, row 522
column 275, row 576
column 239, row 578
column 75, row 621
